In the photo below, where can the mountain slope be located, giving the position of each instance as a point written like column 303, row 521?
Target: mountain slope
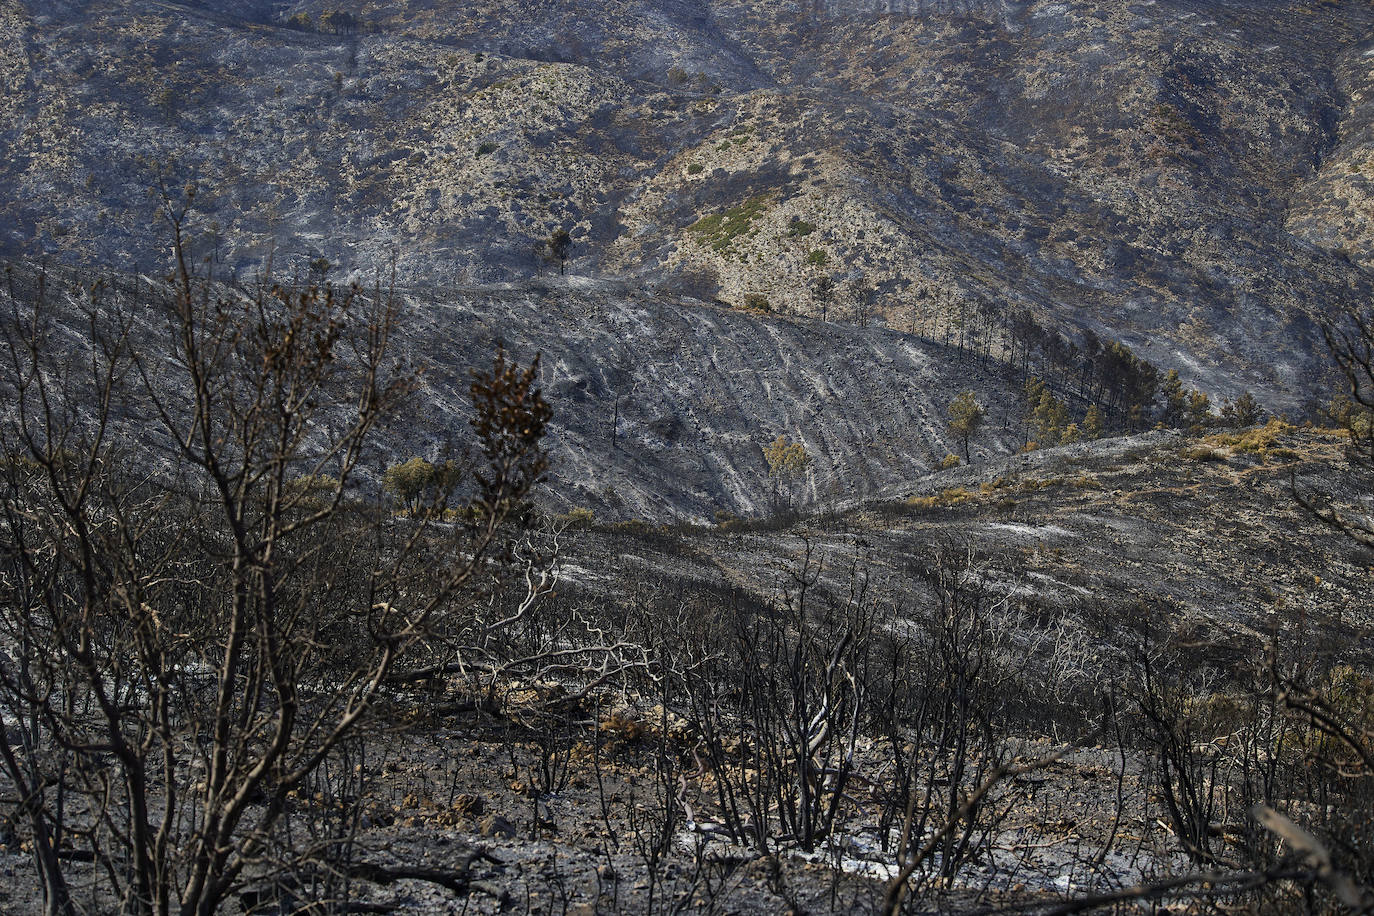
column 1182, row 175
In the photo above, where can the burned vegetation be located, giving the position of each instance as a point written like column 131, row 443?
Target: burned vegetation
column 251, row 662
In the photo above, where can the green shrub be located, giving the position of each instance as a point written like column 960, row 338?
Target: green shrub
column 719, row 230
column 423, row 488
column 1257, row 441
column 577, row 517
column 945, row 498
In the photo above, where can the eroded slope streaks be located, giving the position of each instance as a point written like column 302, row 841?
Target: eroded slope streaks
column 664, row 405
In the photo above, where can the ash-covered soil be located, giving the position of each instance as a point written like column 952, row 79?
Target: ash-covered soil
column 1203, row 530
column 528, row 813
column 548, row 797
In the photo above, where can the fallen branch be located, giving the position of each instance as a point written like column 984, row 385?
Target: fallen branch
column 455, row 879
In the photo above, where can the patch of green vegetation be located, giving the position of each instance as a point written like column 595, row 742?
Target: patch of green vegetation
column 577, row 517
column 1258, row 441
column 817, row 258
column 944, row 499
column 740, row 136
column 719, row 230
column 696, row 168
column 800, row 228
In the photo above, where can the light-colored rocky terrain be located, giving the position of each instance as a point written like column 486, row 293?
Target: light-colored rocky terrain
column 1182, row 176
